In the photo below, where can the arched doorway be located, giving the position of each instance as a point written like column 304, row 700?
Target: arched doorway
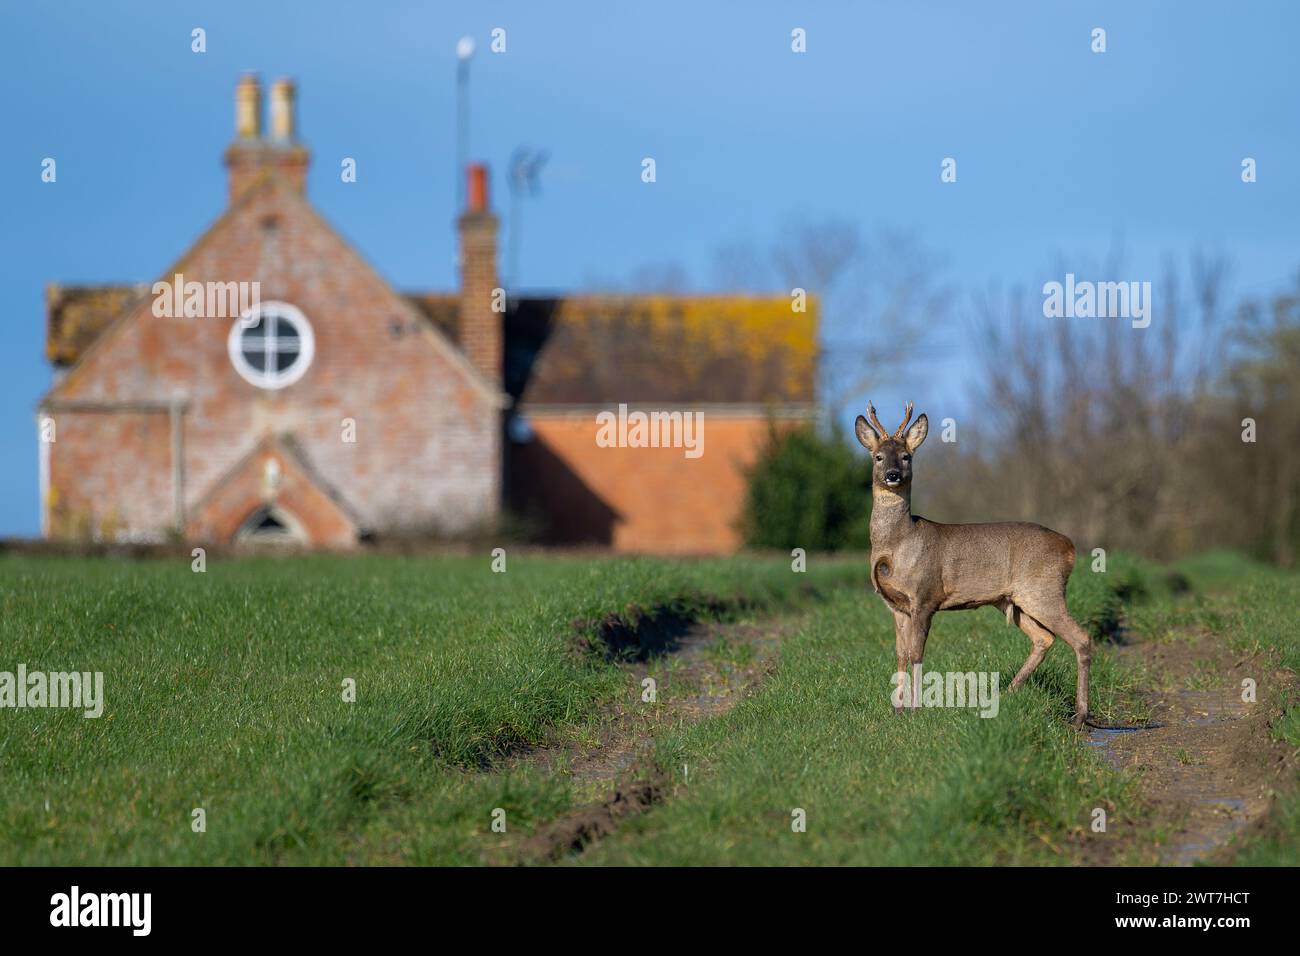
column 270, row 525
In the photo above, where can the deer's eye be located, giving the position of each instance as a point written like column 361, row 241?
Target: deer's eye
column 880, row 458
column 907, row 458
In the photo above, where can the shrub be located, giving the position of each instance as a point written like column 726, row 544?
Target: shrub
column 807, row 491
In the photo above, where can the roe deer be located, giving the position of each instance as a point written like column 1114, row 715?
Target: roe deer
column 919, row 567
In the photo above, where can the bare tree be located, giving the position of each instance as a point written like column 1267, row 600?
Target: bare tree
column 879, row 298
column 1264, row 390
column 1119, row 435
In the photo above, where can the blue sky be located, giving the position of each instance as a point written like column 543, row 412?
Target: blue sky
column 1060, row 150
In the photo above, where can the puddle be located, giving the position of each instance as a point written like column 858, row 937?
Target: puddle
column 1229, row 816
column 1102, row 736
column 1208, row 708
column 1232, row 803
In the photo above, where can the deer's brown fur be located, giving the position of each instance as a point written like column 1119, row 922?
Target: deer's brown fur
column 920, row 567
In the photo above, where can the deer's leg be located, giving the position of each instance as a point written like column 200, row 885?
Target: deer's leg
column 1057, row 618
column 1038, row 635
column 900, row 648
column 916, row 632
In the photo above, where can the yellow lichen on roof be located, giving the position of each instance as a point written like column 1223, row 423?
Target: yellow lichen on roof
column 722, row 348
column 75, row 315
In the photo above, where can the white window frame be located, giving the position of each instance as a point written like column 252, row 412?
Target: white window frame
column 272, row 379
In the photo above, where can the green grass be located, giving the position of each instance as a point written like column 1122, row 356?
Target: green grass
column 224, row 692
column 936, row 787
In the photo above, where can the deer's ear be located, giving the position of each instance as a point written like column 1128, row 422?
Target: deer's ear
column 916, row 434
column 866, row 434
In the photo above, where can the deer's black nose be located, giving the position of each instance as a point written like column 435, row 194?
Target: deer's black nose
column 893, row 475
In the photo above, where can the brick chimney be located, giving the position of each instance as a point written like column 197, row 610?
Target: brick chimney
column 253, row 152
column 481, row 329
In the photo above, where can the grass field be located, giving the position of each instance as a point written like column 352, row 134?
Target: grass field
column 225, row 692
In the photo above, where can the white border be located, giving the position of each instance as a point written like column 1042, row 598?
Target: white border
column 306, row 348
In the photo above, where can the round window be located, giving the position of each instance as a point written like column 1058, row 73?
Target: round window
column 271, row 345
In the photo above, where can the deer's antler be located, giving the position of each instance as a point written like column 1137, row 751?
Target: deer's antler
column 875, row 422
column 907, row 417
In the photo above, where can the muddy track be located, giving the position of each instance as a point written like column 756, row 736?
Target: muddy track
column 704, row 671
column 1206, row 764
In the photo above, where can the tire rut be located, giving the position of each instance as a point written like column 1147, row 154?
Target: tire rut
column 1207, row 766
column 710, row 668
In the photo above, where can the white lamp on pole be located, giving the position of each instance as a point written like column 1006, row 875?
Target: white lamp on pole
column 464, row 51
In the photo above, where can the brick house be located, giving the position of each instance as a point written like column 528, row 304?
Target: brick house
column 334, row 406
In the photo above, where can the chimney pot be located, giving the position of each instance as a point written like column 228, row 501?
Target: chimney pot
column 248, row 107
column 282, row 120
column 478, row 188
